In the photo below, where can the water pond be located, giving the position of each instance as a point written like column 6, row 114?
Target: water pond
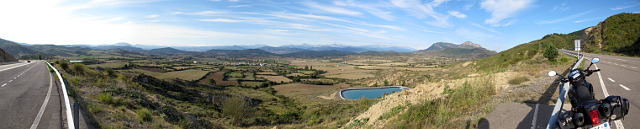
column 369, row 93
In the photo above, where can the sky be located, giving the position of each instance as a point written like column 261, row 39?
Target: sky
column 494, row 24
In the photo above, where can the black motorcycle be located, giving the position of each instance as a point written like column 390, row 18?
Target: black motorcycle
column 586, row 110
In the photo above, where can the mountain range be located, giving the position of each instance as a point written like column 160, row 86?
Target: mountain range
column 468, row 50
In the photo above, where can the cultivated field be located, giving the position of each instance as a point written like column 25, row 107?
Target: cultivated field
column 218, row 78
column 185, row 74
column 276, row 79
column 109, row 65
column 298, row 89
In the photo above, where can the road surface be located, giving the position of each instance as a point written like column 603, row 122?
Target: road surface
column 29, row 97
column 619, row 76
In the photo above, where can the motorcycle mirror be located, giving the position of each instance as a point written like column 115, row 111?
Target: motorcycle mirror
column 552, row 73
column 595, row 60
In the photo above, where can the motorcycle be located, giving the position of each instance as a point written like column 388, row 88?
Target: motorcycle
column 586, row 111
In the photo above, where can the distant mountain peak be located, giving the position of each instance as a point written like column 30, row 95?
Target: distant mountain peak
column 122, row 44
column 443, row 45
column 469, row 43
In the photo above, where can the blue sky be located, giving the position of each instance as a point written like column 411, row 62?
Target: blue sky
column 494, row 24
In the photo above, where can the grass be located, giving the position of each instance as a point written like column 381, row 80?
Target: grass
column 235, row 74
column 518, row 80
column 452, row 111
column 144, row 115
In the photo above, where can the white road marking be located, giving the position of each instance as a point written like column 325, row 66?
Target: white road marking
column 619, row 124
column 604, row 90
column 535, row 115
column 10, row 80
column 624, row 87
column 13, row 67
column 44, row 105
column 4, row 84
column 611, row 80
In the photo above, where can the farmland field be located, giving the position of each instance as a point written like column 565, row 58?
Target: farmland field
column 109, row 65
column 276, row 79
column 218, row 78
column 297, row 89
column 185, row 75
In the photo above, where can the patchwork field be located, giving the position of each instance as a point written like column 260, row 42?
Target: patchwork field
column 185, row 74
column 109, row 65
column 218, row 77
column 298, row 89
column 276, row 79
column 336, row 70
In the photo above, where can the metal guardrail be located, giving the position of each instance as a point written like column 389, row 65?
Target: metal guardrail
column 563, row 92
column 70, row 121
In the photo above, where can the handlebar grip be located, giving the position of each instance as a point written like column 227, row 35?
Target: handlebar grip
column 595, row 70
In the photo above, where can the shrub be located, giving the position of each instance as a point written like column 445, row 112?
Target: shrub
column 106, row 98
column 550, row 52
column 64, row 65
column 144, row 115
column 78, row 68
column 237, row 109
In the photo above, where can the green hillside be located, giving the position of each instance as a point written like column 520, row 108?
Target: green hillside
column 618, row 34
column 527, row 51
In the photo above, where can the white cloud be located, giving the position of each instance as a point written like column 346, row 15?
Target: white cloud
column 331, row 9
column 625, row 7
column 485, row 28
column 221, row 20
column 239, row 6
column 234, row 0
column 564, row 18
column 503, row 9
column 369, row 8
column 421, row 11
column 457, row 14
column 468, row 7
column 153, row 16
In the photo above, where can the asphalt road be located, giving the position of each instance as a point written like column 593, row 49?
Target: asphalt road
column 620, row 76
column 24, row 90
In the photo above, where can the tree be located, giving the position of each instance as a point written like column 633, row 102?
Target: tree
column 306, row 67
column 212, row 82
column 551, row 52
column 386, row 83
column 39, row 56
column 238, row 109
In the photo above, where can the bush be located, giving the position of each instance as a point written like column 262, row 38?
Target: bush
column 78, row 68
column 237, row 109
column 144, row 115
column 106, row 98
column 551, row 52
column 64, row 65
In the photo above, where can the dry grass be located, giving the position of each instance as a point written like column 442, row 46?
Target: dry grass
column 276, row 79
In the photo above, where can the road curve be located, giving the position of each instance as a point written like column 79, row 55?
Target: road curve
column 23, row 89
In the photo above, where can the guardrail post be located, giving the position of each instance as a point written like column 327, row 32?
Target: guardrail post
column 76, row 109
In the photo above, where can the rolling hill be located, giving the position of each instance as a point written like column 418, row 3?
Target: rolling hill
column 467, row 50
column 618, row 34
column 6, row 57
